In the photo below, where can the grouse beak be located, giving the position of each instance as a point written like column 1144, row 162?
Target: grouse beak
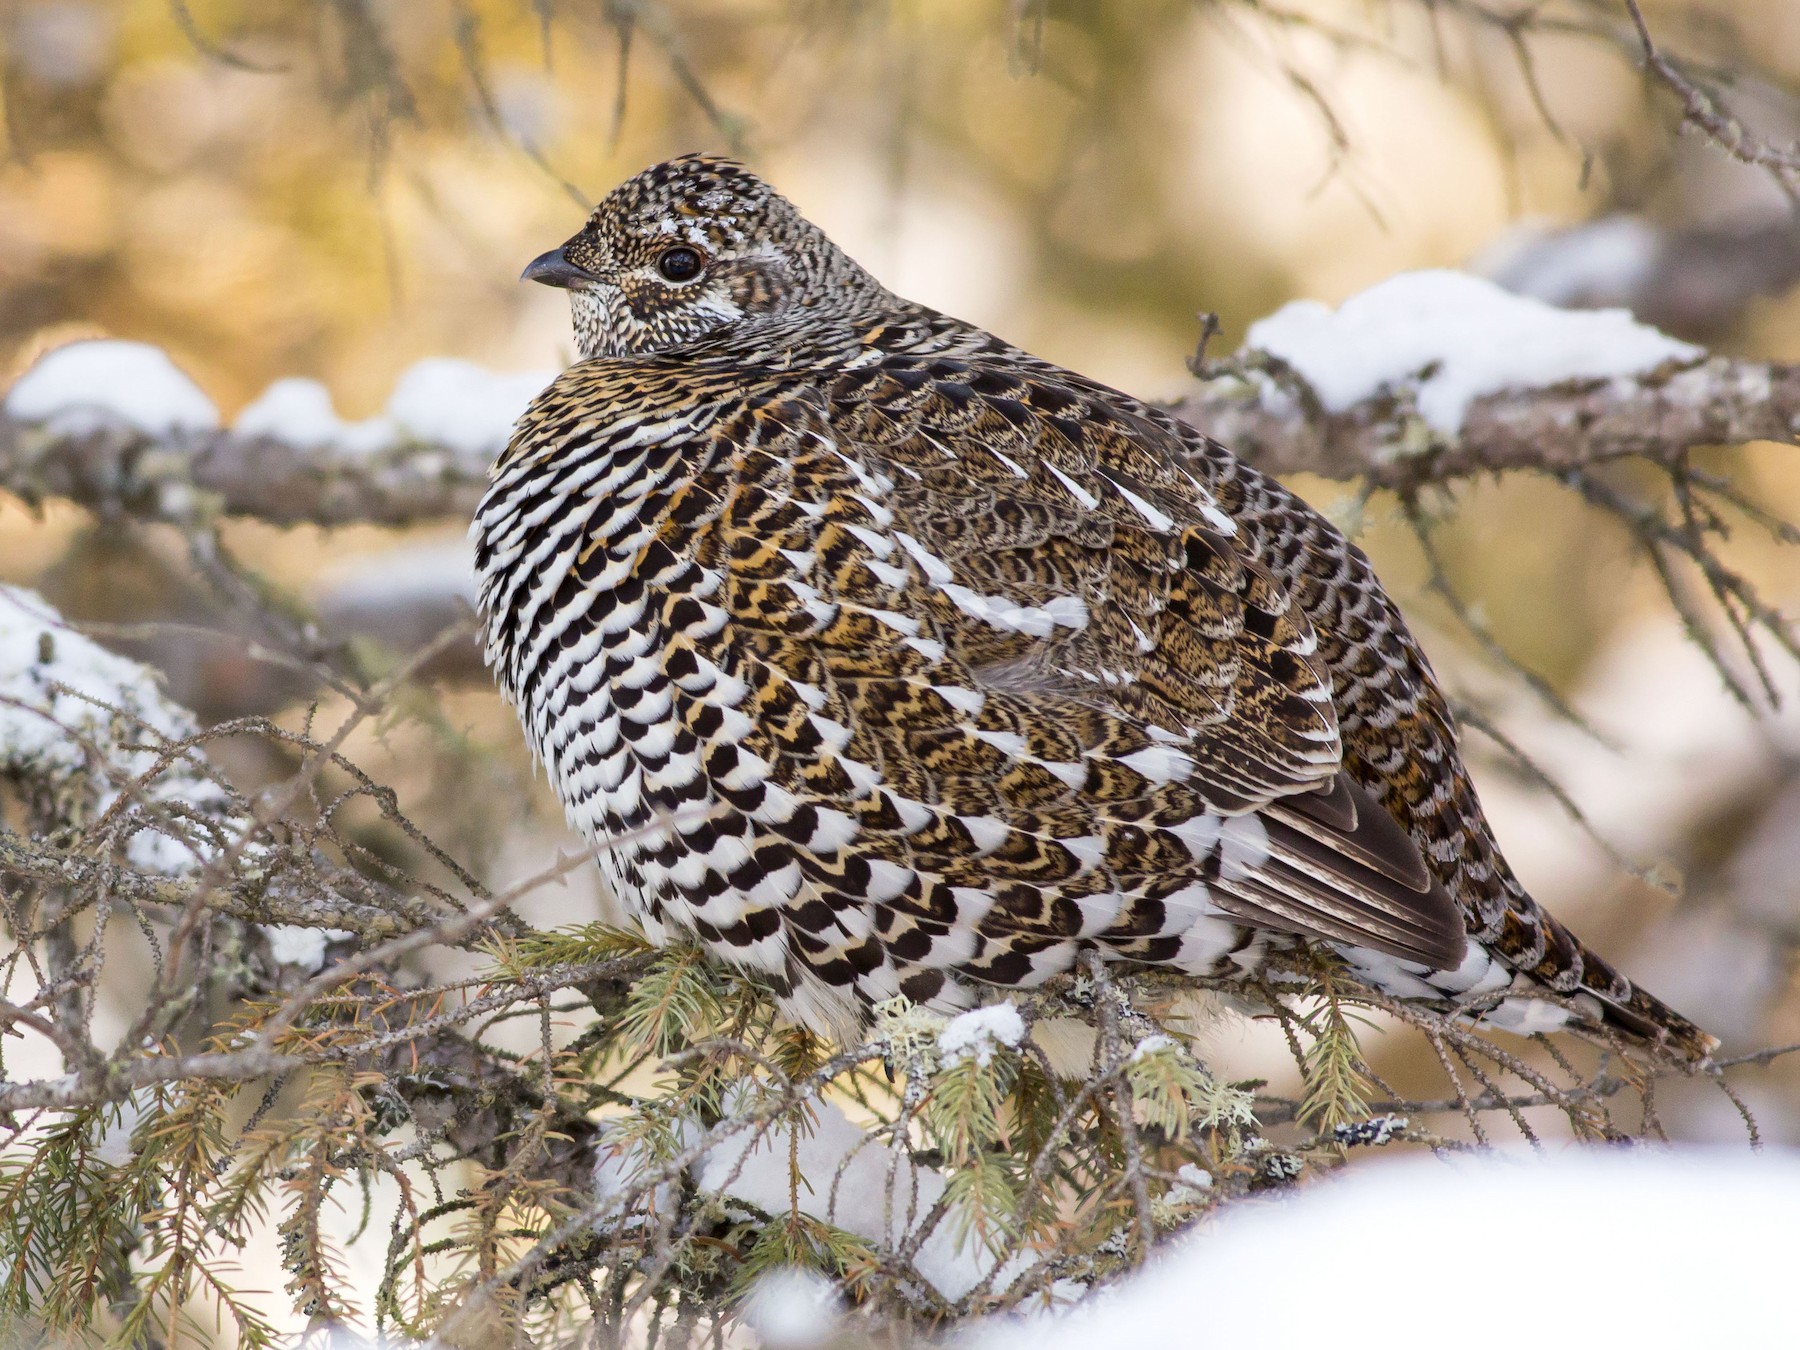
column 553, row 269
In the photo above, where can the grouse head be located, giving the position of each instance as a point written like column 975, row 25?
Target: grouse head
column 693, row 246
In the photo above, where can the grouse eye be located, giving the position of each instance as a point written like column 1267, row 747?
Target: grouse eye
column 679, row 264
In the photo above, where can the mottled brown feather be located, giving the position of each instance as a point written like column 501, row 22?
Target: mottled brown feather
column 935, row 662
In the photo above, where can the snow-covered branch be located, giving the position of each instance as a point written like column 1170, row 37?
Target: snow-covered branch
column 1434, row 376
column 1427, row 377
column 117, row 428
column 182, row 476
column 1264, row 413
column 91, row 744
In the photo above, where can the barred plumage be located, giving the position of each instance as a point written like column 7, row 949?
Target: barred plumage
column 886, row 658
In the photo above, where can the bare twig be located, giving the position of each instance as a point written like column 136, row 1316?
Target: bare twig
column 1703, row 108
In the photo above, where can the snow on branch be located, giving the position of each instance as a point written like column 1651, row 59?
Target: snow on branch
column 91, row 744
column 116, row 427
column 1433, row 376
column 88, row 734
column 1426, row 377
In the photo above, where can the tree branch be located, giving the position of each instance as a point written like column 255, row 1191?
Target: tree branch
column 1703, row 108
column 256, row 899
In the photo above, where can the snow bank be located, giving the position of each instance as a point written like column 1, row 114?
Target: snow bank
column 1595, row 1247
column 439, row 401
column 80, row 388
column 1453, row 337
column 851, row 1181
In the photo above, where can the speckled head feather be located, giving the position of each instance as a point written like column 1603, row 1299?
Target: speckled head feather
column 884, row 658
column 692, row 246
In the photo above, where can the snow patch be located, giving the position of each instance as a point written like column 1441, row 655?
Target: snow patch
column 1193, row 1177
column 1455, row 337
column 1153, row 1044
column 80, row 388
column 300, row 413
column 977, row 1033
column 793, row 1309
column 120, row 1120
column 1600, row 260
column 86, row 386
column 52, row 681
column 293, row 945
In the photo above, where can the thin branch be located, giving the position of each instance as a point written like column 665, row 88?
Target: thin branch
column 1704, row 109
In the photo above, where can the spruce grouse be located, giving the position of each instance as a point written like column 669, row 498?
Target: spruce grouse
column 887, row 659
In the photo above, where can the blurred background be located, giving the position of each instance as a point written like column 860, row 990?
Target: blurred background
column 338, row 188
